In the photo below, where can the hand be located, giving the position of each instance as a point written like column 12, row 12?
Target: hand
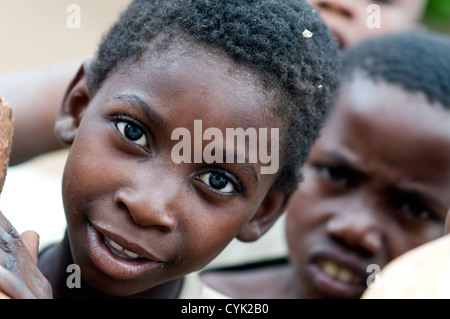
column 20, row 277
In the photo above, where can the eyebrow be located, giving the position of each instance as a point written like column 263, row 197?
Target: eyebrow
column 136, row 101
column 345, row 161
column 405, row 188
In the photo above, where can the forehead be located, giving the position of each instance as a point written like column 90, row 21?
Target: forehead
column 219, row 88
column 390, row 104
column 377, row 123
column 414, row 6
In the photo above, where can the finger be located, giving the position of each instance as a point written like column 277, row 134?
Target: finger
column 11, row 242
column 12, row 286
column 14, row 255
column 3, row 296
column 21, row 277
column 4, row 222
column 31, row 240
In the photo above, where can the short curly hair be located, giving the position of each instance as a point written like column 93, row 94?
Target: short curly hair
column 419, row 61
column 270, row 37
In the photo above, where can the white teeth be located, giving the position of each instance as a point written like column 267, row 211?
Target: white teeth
column 121, row 251
column 330, row 268
column 131, row 254
column 345, row 275
column 115, row 245
column 339, row 273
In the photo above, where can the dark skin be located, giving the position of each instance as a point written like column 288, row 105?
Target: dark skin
column 122, row 189
column 349, row 19
column 346, row 18
column 377, row 184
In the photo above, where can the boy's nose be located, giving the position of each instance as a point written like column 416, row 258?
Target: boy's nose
column 358, row 228
column 149, row 209
column 343, row 8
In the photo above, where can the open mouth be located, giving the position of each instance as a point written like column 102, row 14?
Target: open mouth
column 339, row 273
column 337, row 280
column 115, row 260
column 119, row 251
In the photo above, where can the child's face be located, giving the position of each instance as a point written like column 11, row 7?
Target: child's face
column 377, row 184
column 121, row 187
column 352, row 21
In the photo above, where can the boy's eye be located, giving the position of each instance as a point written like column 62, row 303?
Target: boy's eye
column 132, row 132
column 418, row 210
column 218, row 182
column 333, row 174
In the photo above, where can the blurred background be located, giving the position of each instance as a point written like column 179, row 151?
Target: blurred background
column 437, row 16
column 38, row 35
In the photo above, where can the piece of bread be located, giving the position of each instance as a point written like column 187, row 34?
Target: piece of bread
column 6, row 134
column 420, row 273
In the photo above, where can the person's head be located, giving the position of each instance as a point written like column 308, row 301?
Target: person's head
column 353, row 21
column 377, row 182
column 173, row 73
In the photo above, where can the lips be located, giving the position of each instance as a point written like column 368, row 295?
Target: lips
column 337, row 275
column 119, row 251
column 118, row 258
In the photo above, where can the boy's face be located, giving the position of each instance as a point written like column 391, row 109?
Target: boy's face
column 377, row 184
column 136, row 218
column 353, row 21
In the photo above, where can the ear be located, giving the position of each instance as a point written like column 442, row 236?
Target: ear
column 76, row 100
column 270, row 210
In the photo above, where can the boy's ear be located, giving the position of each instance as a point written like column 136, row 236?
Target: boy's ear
column 270, row 210
column 75, row 101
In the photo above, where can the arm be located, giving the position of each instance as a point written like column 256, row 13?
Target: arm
column 35, row 97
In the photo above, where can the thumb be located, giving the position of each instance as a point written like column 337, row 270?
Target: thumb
column 31, row 240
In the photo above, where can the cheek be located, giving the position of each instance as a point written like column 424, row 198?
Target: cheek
column 305, row 201
column 87, row 174
column 300, row 219
column 210, row 236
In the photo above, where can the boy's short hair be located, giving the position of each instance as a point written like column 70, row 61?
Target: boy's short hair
column 270, row 37
column 419, row 61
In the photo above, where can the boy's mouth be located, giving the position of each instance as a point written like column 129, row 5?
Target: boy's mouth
column 119, row 251
column 337, row 276
column 121, row 262
column 339, row 273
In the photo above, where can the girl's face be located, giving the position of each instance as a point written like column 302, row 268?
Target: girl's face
column 353, row 21
column 377, row 184
column 137, row 219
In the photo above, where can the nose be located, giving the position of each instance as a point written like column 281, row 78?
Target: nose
column 149, row 207
column 343, row 8
column 357, row 227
